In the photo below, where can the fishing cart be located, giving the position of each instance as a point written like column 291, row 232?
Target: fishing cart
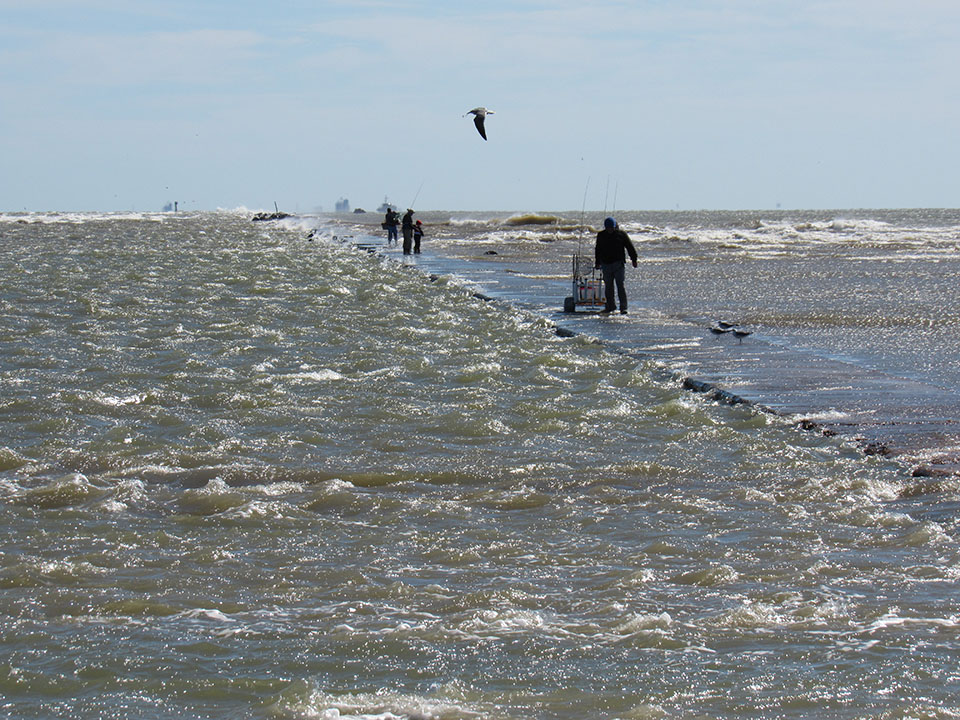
column 588, row 292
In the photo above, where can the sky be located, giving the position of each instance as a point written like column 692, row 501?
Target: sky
column 114, row 105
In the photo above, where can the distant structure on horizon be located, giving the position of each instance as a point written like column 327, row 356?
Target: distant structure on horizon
column 343, row 205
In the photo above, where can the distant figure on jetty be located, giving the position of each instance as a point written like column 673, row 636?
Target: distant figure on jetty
column 611, row 250
column 417, row 236
column 390, row 223
column 407, row 231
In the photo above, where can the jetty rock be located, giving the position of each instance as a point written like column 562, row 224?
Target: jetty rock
column 261, row 216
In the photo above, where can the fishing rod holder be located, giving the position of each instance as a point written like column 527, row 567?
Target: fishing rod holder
column 587, row 287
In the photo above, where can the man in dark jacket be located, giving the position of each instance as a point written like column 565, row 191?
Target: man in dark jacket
column 613, row 244
column 407, row 228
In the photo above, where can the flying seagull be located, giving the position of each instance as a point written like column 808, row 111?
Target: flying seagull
column 479, row 114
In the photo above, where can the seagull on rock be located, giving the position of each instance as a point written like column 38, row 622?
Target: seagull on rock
column 479, row 114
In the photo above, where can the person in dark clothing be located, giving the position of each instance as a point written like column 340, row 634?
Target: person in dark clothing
column 613, row 245
column 417, row 236
column 390, row 222
column 407, row 227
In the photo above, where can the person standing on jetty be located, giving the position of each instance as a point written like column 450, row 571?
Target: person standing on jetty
column 390, row 222
column 611, row 250
column 417, row 236
column 407, row 228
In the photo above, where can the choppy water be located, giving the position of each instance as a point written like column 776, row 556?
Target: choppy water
column 243, row 474
column 878, row 288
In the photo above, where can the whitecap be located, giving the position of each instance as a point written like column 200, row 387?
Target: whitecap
column 823, row 416
column 505, row 621
column 284, row 487
column 324, row 375
column 650, row 621
column 119, row 400
column 257, row 509
column 462, row 222
column 892, row 621
column 337, row 485
column 751, row 615
column 211, row 614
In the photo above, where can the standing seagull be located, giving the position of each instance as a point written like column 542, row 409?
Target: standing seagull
column 479, row 114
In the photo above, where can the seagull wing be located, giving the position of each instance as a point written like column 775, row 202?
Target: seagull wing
column 478, row 121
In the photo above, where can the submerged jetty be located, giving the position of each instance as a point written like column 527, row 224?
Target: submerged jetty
column 913, row 423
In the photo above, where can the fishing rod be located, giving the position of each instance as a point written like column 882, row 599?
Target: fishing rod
column 586, row 288
column 583, row 209
column 417, row 195
column 606, row 194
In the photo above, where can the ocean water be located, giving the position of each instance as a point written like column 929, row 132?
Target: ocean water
column 245, row 473
column 875, row 287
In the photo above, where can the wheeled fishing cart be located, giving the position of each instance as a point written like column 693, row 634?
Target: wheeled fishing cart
column 588, row 295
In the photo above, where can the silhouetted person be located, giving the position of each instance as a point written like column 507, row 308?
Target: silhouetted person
column 407, row 228
column 390, row 222
column 613, row 244
column 417, row 236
